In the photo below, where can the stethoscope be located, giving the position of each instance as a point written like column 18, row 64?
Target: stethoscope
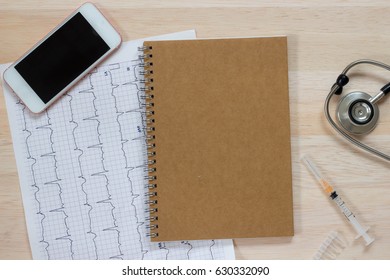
column 357, row 112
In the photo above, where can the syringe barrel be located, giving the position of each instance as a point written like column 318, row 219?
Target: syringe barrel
column 341, row 204
column 362, row 232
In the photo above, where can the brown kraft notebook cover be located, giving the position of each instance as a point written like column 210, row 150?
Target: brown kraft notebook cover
column 219, row 138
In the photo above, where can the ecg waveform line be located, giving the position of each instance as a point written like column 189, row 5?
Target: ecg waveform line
column 124, row 141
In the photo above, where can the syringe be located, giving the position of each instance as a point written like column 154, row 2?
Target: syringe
column 362, row 232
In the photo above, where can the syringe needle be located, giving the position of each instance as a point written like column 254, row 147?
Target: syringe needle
column 317, row 174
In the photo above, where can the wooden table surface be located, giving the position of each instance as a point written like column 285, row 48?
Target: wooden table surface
column 323, row 37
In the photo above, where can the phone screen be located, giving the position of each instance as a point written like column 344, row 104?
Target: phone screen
column 62, row 57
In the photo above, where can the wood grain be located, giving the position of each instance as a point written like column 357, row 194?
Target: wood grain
column 323, row 37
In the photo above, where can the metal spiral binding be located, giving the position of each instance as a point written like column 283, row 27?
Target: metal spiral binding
column 147, row 89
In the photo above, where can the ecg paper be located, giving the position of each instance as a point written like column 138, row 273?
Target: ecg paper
column 81, row 167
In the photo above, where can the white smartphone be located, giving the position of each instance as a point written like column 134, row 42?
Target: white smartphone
column 62, row 58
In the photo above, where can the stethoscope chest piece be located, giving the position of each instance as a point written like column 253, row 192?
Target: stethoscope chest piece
column 357, row 114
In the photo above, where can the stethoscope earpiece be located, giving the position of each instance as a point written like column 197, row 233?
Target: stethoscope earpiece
column 357, row 114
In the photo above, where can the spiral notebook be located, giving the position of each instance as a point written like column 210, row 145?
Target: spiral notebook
column 218, row 138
